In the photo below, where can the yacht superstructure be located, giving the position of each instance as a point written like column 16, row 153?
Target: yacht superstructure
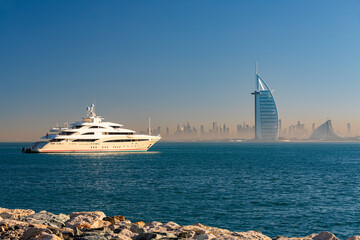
column 92, row 134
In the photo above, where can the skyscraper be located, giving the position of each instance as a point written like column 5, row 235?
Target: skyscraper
column 266, row 115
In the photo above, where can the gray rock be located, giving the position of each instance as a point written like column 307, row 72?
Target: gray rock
column 204, row 236
column 120, row 225
column 148, row 236
column 32, row 232
column 46, row 218
column 92, row 237
column 325, row 236
column 89, row 234
column 155, row 235
column 101, row 230
column 166, row 234
column 137, row 229
column 56, row 231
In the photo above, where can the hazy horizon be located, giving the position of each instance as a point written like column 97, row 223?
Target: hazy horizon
column 177, row 61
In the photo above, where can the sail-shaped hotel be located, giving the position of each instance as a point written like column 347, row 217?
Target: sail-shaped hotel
column 266, row 114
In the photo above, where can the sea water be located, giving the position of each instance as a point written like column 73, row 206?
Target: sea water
column 289, row 189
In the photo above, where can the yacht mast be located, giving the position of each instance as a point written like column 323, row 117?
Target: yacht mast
column 256, row 78
column 149, row 125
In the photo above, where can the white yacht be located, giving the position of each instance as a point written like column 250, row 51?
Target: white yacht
column 92, row 134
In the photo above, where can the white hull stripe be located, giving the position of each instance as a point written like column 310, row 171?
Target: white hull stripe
column 93, row 150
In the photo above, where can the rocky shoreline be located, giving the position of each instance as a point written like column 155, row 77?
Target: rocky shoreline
column 28, row 224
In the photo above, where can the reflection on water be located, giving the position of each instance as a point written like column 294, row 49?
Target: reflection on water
column 101, row 154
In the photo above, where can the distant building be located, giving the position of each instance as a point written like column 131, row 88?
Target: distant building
column 298, row 131
column 266, row 114
column 348, row 129
column 244, row 131
column 215, row 128
column 185, row 131
column 280, row 126
column 325, row 132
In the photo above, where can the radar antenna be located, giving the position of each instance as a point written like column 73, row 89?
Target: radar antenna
column 91, row 111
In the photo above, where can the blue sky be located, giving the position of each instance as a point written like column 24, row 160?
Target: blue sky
column 177, row 61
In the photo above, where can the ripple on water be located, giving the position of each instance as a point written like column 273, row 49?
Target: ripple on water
column 290, row 189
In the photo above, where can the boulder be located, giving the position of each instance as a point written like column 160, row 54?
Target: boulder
column 35, row 232
column 118, row 227
column 14, row 213
column 171, row 226
column 47, row 218
column 58, row 231
column 93, row 237
column 87, row 220
column 155, row 227
column 226, row 237
column 114, row 219
column 149, row 236
column 310, row 237
column 325, row 236
column 13, row 223
column 204, row 236
column 152, row 224
column 12, row 229
column 96, row 233
column 140, row 223
column 95, row 215
column 353, row 238
column 119, row 218
column 135, row 228
column 102, row 230
column 124, row 234
column 160, row 227
column 250, row 235
column 47, row 236
column 203, row 229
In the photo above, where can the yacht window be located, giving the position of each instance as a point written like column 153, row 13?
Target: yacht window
column 127, row 140
column 95, row 127
column 84, row 140
column 66, row 133
column 77, row 126
column 88, row 133
column 56, row 140
column 115, row 127
column 120, row 140
column 120, row 133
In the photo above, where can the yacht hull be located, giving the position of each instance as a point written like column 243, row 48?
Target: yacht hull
column 71, row 147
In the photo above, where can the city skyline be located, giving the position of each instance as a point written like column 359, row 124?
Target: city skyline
column 243, row 131
column 177, row 61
